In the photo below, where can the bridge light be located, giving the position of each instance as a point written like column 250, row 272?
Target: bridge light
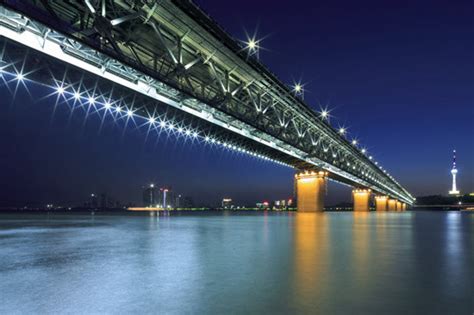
column 77, row 96
column 170, row 126
column 107, row 105
column 195, row 134
column 20, row 76
column 180, row 130
column 298, row 88
column 354, row 142
column 60, row 90
column 188, row 132
column 129, row 113
column 206, row 139
column 370, row 157
column 342, row 130
column 364, row 150
column 162, row 124
column 252, row 44
column 151, row 120
column 91, row 100
column 118, row 109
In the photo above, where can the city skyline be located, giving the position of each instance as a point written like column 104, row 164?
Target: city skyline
column 398, row 107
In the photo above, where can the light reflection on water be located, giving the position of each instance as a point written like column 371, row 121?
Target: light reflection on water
column 390, row 263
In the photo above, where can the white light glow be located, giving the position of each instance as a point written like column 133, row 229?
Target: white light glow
column 252, row 44
column 91, row 100
column 151, row 120
column 60, row 90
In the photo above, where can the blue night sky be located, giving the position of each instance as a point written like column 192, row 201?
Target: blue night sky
column 399, row 74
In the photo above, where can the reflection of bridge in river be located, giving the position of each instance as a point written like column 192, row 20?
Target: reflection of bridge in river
column 172, row 67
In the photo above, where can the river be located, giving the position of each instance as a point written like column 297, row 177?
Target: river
column 238, row 263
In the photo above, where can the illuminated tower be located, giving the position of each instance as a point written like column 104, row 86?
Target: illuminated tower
column 454, row 171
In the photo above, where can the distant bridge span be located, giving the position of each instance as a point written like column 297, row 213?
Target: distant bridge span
column 170, row 51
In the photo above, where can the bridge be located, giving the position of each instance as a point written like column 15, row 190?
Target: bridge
column 179, row 63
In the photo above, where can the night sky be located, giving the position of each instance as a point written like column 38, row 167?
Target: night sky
column 398, row 74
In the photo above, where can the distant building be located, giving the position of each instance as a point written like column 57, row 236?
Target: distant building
column 177, row 201
column 150, row 196
column 279, row 205
column 227, row 203
column 188, row 202
column 93, row 201
column 104, row 201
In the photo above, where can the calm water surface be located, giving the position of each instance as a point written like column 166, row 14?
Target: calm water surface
column 330, row 263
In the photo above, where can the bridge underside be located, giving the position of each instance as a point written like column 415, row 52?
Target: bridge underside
column 144, row 56
column 45, row 70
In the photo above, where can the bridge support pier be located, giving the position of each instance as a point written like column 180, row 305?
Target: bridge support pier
column 399, row 206
column 404, row 206
column 392, row 204
column 310, row 191
column 381, row 203
column 361, row 199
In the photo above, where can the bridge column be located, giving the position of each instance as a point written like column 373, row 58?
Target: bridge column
column 310, row 191
column 381, row 203
column 392, row 204
column 361, row 199
column 404, row 206
column 399, row 206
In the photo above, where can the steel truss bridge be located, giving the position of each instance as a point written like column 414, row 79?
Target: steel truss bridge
column 171, row 52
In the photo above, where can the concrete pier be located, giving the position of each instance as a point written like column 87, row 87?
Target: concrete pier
column 381, row 203
column 361, row 199
column 399, row 206
column 392, row 204
column 310, row 191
